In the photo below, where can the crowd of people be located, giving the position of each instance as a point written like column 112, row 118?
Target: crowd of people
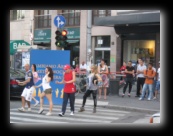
column 147, row 77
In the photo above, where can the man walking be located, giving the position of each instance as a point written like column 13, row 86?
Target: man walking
column 28, row 90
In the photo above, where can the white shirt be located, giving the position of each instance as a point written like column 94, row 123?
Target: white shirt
column 45, row 84
column 83, row 66
column 141, row 68
column 158, row 71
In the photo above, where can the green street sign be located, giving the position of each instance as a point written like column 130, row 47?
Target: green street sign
column 14, row 44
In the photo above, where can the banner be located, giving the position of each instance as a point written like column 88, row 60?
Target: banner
column 56, row 59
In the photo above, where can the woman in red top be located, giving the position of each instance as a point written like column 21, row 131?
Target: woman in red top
column 122, row 69
column 69, row 89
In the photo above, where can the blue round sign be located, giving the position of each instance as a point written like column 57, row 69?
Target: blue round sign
column 59, row 21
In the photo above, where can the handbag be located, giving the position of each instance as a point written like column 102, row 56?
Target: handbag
column 95, row 78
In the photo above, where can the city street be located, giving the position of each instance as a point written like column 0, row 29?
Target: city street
column 103, row 115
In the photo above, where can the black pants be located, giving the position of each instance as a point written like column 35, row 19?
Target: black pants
column 129, row 82
column 87, row 93
column 67, row 96
column 140, row 82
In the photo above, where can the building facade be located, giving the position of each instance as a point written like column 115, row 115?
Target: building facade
column 111, row 38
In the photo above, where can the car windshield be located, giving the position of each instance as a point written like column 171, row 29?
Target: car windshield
column 16, row 73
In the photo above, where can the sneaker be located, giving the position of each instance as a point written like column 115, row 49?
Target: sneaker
column 94, row 110
column 49, row 114
column 149, row 99
column 122, row 95
column 81, row 109
column 72, row 113
column 129, row 95
column 36, row 103
column 21, row 109
column 61, row 114
column 40, row 111
column 140, row 99
column 154, row 98
column 29, row 109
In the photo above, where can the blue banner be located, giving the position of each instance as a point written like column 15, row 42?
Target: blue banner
column 56, row 59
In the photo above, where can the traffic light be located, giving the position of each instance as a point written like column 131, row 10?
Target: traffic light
column 61, row 38
column 57, row 37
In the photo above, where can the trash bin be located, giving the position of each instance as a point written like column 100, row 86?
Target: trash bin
column 113, row 84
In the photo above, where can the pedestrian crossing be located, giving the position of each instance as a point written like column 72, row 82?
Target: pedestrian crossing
column 102, row 115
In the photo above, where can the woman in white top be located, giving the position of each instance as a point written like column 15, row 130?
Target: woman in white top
column 47, row 90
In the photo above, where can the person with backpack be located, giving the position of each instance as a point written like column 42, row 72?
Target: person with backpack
column 149, row 75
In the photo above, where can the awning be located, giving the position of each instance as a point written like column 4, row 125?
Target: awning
column 140, row 18
column 72, row 41
column 14, row 44
column 41, row 41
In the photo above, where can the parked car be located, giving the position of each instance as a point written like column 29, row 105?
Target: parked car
column 155, row 118
column 15, row 89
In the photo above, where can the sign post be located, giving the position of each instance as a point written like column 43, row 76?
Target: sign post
column 59, row 21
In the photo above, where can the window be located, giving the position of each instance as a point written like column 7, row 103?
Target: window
column 102, row 41
column 43, row 19
column 100, row 13
column 72, row 17
column 134, row 49
column 17, row 14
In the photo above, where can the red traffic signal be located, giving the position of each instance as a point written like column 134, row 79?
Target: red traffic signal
column 64, row 33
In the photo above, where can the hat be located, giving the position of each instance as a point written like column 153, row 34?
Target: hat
column 67, row 67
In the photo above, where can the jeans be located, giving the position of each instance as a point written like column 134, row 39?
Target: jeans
column 67, row 96
column 149, row 87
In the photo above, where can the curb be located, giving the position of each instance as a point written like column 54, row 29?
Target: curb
column 134, row 109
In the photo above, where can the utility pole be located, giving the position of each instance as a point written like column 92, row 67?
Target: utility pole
column 88, row 50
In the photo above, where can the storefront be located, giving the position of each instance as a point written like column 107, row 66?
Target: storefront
column 138, row 36
column 16, row 57
column 42, row 37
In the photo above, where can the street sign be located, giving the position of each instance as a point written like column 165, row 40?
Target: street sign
column 59, row 21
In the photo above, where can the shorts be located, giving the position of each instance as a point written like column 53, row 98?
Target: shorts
column 157, row 88
column 27, row 93
column 48, row 91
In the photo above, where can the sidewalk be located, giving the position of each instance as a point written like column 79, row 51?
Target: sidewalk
column 124, row 103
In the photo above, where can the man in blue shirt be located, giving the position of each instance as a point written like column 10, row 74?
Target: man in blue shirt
column 28, row 90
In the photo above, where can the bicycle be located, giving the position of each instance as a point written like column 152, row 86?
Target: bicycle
column 80, row 83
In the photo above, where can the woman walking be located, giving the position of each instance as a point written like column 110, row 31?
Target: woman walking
column 92, row 80
column 69, row 79
column 47, row 90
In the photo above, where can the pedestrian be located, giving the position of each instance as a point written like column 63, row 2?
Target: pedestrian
column 92, row 85
column 47, row 90
column 122, row 70
column 68, row 80
column 83, row 66
column 157, row 87
column 26, row 95
column 149, row 74
column 140, row 76
column 36, row 79
column 129, row 71
column 103, row 71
